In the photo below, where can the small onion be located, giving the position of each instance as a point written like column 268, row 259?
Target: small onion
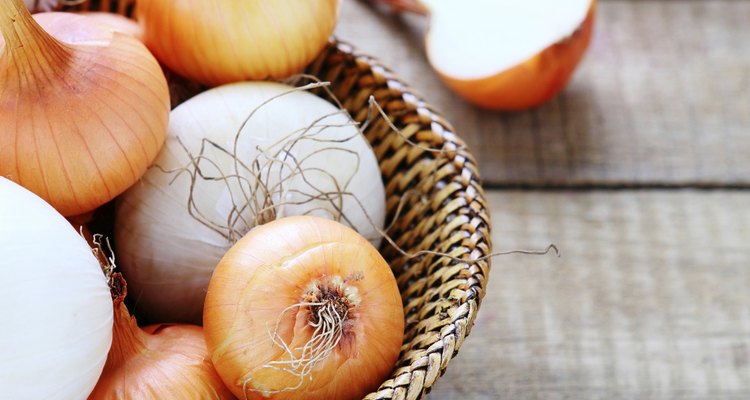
column 54, row 301
column 157, row 362
column 297, row 154
column 224, row 41
column 303, row 308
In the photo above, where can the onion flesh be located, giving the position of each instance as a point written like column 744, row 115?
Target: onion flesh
column 506, row 54
column 478, row 38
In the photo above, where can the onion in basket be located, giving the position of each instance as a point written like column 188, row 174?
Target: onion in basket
column 223, row 41
column 54, row 302
column 303, row 308
column 238, row 156
column 83, row 109
column 165, row 361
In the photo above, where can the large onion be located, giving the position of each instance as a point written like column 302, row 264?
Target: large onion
column 54, row 302
column 297, row 154
column 223, row 41
column 303, row 308
column 83, row 109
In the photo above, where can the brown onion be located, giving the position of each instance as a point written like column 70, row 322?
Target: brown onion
column 224, row 41
column 83, row 109
column 159, row 362
column 303, row 308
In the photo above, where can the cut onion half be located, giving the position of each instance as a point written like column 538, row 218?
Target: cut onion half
column 505, row 54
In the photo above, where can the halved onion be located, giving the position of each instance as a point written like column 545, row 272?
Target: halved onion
column 508, row 54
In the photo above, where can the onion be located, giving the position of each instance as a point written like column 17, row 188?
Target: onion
column 224, row 41
column 303, row 308
column 83, row 109
column 54, row 302
column 216, row 179
column 505, row 54
column 158, row 362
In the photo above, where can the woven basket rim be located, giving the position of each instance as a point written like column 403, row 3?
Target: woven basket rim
column 416, row 379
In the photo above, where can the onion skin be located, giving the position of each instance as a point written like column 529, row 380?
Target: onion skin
column 55, row 305
column 270, row 270
column 117, row 22
column 224, row 41
column 42, row 5
column 83, row 109
column 158, row 362
column 532, row 83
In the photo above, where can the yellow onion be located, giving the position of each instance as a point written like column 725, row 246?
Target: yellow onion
column 157, row 362
column 303, row 308
column 224, row 41
column 83, row 109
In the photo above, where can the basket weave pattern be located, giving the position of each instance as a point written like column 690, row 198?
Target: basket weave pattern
column 448, row 214
column 439, row 203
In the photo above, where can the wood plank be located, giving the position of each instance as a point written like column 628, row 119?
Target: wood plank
column 649, row 300
column 662, row 98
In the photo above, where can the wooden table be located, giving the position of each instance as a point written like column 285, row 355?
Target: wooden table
column 639, row 172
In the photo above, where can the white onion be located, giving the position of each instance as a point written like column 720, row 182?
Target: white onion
column 167, row 255
column 55, row 304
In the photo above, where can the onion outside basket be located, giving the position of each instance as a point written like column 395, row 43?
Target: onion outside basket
column 449, row 214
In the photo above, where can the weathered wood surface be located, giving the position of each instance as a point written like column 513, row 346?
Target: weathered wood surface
column 662, row 98
column 649, row 300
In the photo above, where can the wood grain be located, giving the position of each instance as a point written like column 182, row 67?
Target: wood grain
column 662, row 98
column 649, row 300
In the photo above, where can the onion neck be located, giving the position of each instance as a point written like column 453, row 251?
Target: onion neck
column 128, row 339
column 26, row 43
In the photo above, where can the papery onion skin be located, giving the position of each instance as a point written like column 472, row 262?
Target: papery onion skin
column 83, row 114
column 54, row 302
column 117, row 22
column 167, row 255
column 42, row 5
column 268, row 271
column 224, row 41
column 158, row 362
column 531, row 83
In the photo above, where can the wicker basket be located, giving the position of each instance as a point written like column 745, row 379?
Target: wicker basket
column 441, row 295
